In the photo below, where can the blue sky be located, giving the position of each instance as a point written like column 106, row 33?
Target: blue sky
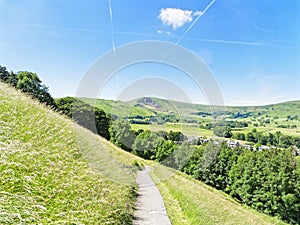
column 251, row 47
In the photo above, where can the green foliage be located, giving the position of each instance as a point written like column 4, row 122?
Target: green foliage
column 219, row 131
column 192, row 166
column 175, row 136
column 10, row 78
column 182, row 155
column 85, row 115
column 239, row 136
column 164, row 153
column 277, row 139
column 222, row 131
column 121, row 134
column 29, row 83
column 216, row 164
column 146, row 145
column 267, row 181
column 4, row 74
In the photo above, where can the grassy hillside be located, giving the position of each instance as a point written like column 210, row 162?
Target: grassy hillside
column 190, row 202
column 51, row 170
column 160, row 106
column 122, row 109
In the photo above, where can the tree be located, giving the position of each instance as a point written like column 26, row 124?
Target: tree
column 175, row 136
column 30, row 83
column 164, row 151
column 219, row 131
column 227, row 133
column 121, row 134
column 239, row 136
column 192, row 167
column 182, row 155
column 222, row 131
column 267, row 181
column 4, row 74
column 207, row 163
column 250, row 137
column 12, row 79
column 146, row 145
column 85, row 115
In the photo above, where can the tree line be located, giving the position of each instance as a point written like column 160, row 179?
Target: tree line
column 28, row 82
column 267, row 181
column 277, row 139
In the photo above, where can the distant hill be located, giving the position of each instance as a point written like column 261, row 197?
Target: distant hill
column 149, row 106
column 283, row 117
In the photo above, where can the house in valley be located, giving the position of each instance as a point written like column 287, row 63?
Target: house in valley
column 233, row 143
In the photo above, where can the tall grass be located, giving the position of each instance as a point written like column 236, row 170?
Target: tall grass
column 46, row 176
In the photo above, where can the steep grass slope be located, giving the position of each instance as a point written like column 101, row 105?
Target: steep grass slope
column 51, row 170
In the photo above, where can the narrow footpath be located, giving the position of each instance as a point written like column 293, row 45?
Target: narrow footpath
column 150, row 207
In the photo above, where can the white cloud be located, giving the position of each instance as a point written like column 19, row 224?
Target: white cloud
column 176, row 17
column 197, row 13
column 159, row 31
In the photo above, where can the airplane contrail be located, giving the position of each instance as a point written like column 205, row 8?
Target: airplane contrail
column 226, row 41
column 195, row 21
column 182, row 36
column 111, row 26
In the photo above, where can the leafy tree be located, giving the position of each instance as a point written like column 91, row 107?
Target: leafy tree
column 227, row 133
column 121, row 134
column 30, row 83
column 163, row 134
column 84, row 114
column 175, row 136
column 239, row 136
column 207, row 164
column 219, row 131
column 10, row 78
column 164, row 151
column 192, row 167
column 267, row 181
column 146, row 144
column 4, row 74
column 13, row 79
column 250, row 137
column 222, row 131
column 226, row 158
column 182, row 154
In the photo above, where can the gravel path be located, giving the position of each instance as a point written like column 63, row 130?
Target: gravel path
column 150, row 207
